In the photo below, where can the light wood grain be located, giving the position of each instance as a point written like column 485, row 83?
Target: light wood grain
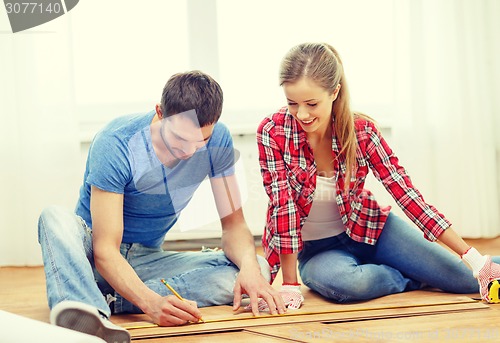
column 224, row 337
column 481, row 326
column 315, row 309
column 414, row 318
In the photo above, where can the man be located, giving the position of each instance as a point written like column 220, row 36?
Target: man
column 141, row 172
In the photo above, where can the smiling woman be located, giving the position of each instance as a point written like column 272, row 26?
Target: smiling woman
column 371, row 251
column 310, row 104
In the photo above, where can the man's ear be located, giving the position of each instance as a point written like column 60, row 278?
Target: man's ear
column 158, row 111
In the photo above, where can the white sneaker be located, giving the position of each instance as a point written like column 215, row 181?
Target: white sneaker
column 81, row 317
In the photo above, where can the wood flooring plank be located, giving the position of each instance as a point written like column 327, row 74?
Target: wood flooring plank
column 482, row 326
column 22, row 291
column 315, row 304
column 224, row 337
column 252, row 326
column 399, row 305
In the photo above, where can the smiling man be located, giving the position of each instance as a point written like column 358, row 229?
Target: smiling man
column 141, row 172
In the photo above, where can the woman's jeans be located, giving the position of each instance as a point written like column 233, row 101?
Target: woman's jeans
column 402, row 260
column 205, row 277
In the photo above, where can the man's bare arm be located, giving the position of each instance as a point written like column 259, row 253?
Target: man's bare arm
column 107, row 230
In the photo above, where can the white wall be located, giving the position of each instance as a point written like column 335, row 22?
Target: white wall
column 39, row 147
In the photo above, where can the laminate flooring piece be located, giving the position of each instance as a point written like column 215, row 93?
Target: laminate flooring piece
column 432, row 327
column 315, row 309
column 224, row 337
column 22, row 291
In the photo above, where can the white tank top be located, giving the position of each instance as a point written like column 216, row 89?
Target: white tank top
column 324, row 218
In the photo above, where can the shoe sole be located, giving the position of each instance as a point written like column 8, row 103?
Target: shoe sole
column 88, row 323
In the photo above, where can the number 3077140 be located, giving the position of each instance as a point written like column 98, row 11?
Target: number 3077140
column 32, row 7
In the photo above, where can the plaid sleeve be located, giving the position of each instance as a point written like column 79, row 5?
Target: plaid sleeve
column 283, row 218
column 386, row 168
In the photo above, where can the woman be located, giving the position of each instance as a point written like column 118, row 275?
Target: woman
column 315, row 155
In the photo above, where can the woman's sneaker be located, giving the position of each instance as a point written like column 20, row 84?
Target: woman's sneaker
column 81, row 317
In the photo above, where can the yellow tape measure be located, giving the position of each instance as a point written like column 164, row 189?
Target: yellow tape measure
column 494, row 292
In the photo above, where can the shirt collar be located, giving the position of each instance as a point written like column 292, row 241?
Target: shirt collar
column 294, row 131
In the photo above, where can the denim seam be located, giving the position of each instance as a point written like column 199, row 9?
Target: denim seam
column 52, row 259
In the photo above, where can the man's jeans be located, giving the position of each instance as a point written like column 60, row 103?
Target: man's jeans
column 402, row 260
column 205, row 277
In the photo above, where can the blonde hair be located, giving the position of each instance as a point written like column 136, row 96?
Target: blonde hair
column 321, row 63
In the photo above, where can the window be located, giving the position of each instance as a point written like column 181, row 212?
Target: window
column 123, row 53
column 254, row 36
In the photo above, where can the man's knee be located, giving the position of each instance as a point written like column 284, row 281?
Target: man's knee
column 58, row 222
column 48, row 216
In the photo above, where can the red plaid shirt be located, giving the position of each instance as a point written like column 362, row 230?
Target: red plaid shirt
column 289, row 177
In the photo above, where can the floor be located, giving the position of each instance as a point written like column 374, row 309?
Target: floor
column 422, row 316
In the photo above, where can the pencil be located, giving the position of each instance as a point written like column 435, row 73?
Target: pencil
column 176, row 294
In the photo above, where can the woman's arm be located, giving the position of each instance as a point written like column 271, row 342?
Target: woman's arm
column 451, row 239
column 289, row 268
column 394, row 177
column 282, row 232
column 386, row 168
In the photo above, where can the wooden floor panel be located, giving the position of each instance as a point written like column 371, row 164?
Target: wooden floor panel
column 482, row 326
column 22, row 291
column 410, row 317
column 224, row 337
column 315, row 309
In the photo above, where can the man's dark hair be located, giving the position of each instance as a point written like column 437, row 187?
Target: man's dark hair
column 193, row 90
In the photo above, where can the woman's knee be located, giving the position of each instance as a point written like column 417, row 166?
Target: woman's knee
column 340, row 292
column 341, row 285
column 355, row 282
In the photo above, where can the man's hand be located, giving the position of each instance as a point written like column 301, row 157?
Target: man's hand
column 291, row 295
column 488, row 273
column 256, row 286
column 171, row 311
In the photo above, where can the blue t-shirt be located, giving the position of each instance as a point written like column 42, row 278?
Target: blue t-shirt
column 122, row 160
